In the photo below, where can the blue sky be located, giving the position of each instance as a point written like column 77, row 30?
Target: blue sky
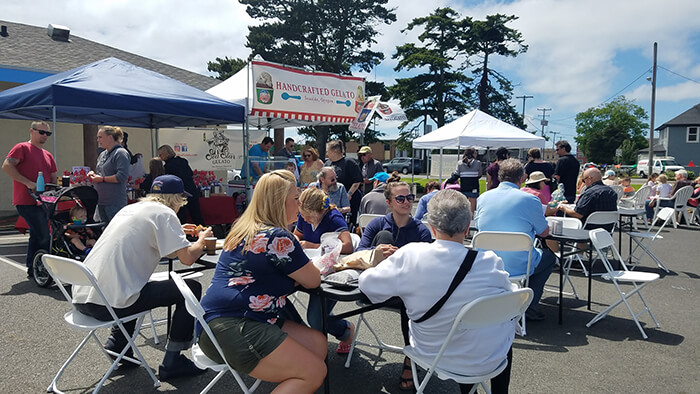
column 581, row 53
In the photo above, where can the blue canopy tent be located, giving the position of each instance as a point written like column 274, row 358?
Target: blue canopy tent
column 115, row 92
column 118, row 93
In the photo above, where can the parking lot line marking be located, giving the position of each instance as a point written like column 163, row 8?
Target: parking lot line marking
column 21, row 267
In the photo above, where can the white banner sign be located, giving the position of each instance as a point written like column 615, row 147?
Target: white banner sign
column 209, row 149
column 282, row 92
column 363, row 118
column 390, row 111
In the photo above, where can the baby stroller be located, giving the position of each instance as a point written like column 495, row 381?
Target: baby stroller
column 57, row 205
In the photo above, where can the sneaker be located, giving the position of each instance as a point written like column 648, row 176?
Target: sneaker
column 180, row 368
column 117, row 346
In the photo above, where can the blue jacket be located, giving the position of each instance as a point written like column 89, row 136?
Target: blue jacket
column 414, row 231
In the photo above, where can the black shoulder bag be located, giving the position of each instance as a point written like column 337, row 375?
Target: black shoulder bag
column 459, row 277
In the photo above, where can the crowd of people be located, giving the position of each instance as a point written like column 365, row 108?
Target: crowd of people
column 264, row 255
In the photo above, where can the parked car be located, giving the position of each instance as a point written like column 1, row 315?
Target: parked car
column 403, row 165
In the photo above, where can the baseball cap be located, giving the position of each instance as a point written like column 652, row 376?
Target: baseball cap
column 365, row 149
column 608, row 174
column 380, row 176
column 169, row 184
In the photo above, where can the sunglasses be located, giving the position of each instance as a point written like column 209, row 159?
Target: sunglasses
column 402, row 199
column 43, row 132
column 307, row 155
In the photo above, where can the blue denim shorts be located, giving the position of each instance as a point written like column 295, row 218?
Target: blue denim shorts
column 244, row 341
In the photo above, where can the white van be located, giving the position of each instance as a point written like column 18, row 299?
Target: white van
column 661, row 165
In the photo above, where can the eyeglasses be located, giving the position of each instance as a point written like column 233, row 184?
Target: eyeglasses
column 307, row 155
column 402, row 199
column 43, row 132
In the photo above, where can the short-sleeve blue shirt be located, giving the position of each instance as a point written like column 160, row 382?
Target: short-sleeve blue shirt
column 506, row 208
column 258, row 156
column 332, row 222
column 255, row 284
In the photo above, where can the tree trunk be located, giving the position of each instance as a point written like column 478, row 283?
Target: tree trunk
column 483, row 85
column 321, row 139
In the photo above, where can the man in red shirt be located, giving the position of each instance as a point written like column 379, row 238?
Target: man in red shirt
column 23, row 164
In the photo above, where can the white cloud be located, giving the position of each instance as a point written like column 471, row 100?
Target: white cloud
column 580, row 52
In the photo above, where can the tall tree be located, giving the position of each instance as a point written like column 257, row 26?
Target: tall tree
column 485, row 39
column 226, row 67
column 603, row 129
column 442, row 91
column 328, row 35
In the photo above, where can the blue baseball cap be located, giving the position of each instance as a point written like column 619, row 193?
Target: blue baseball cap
column 380, row 176
column 169, row 184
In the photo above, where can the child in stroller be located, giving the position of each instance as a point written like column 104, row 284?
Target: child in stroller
column 60, row 206
column 82, row 239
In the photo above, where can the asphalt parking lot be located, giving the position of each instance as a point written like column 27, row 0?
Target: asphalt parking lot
column 609, row 357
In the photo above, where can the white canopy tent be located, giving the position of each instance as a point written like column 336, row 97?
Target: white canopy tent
column 479, row 130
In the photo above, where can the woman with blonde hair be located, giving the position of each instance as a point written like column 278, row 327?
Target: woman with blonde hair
column 312, row 165
column 111, row 172
column 317, row 216
column 260, row 265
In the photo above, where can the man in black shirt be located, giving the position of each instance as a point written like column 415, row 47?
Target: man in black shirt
column 348, row 173
column 567, row 169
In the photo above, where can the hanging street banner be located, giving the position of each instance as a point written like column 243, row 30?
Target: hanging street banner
column 390, row 111
column 283, row 92
column 209, row 149
column 359, row 124
column 387, row 111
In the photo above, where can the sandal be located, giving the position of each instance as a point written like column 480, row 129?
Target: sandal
column 406, row 384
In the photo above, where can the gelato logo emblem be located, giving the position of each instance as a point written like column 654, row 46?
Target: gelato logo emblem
column 264, row 91
column 219, row 153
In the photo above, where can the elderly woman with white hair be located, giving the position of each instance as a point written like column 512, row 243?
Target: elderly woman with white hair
column 420, row 272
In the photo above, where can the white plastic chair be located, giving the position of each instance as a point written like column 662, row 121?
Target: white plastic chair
column 680, row 199
column 508, row 242
column 67, row 271
column 365, row 218
column 619, row 190
column 636, row 202
column 378, row 344
column 152, row 323
column 603, row 242
column 645, row 239
column 200, row 359
column 481, row 313
column 571, row 223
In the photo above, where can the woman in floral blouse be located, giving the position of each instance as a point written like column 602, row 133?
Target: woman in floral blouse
column 260, row 265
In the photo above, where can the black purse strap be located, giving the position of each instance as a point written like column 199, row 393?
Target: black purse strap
column 459, row 277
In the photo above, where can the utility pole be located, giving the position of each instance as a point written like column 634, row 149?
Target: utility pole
column 524, row 97
column 544, row 122
column 651, row 122
column 554, row 138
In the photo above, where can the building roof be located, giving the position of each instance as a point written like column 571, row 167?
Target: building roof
column 28, row 48
column 690, row 117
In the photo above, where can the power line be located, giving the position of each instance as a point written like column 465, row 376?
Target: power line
column 616, row 94
column 675, row 73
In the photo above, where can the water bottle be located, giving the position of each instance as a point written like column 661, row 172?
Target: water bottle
column 40, row 185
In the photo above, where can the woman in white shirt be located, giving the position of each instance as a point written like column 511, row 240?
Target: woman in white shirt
column 420, row 272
